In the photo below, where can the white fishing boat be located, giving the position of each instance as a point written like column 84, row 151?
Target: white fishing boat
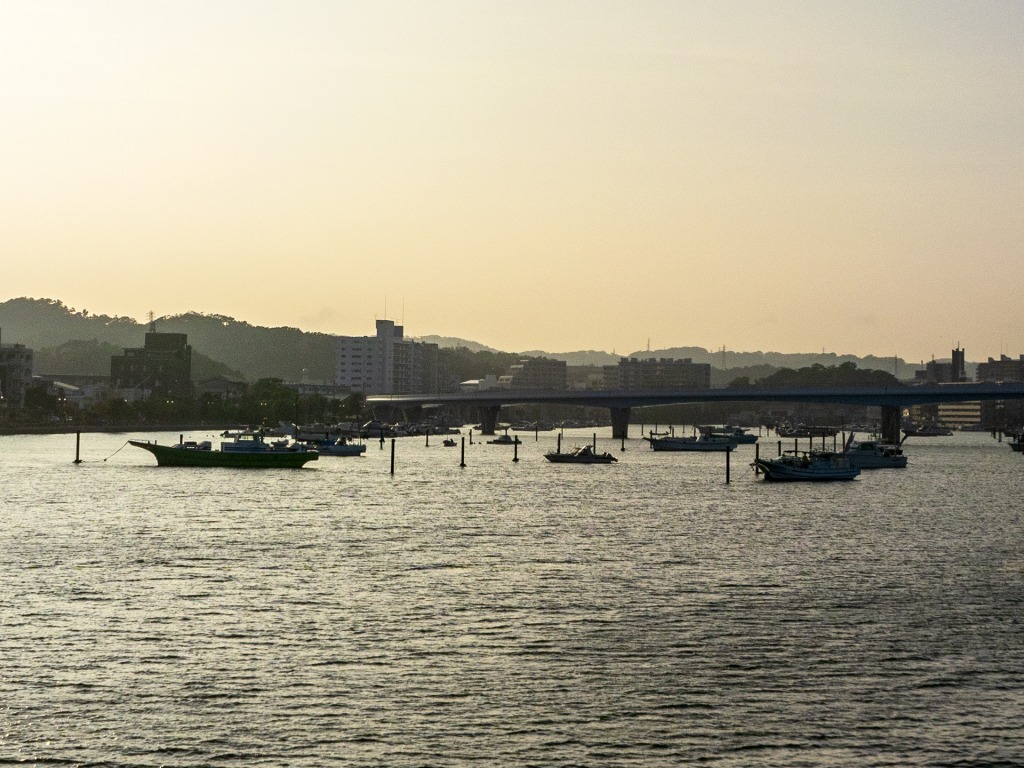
column 739, row 435
column 803, row 465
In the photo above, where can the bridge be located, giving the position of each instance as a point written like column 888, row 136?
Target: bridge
column 890, row 399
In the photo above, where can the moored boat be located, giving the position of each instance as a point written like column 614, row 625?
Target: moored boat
column 246, row 450
column 927, row 430
column 583, row 455
column 874, row 454
column 801, row 465
column 339, row 447
column 739, row 435
column 505, row 439
column 687, row 443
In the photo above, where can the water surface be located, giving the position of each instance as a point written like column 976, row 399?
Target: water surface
column 639, row 614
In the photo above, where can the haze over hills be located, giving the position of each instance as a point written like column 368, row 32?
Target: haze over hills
column 235, row 348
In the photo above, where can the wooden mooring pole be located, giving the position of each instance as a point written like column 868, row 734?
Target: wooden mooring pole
column 78, row 446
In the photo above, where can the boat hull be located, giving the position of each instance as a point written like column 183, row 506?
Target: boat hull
column 878, row 462
column 344, row 449
column 568, row 458
column 170, row 456
column 777, row 472
column 690, row 444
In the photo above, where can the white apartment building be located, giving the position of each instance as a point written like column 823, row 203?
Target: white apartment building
column 386, row 364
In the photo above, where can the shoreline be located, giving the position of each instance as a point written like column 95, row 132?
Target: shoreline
column 121, row 428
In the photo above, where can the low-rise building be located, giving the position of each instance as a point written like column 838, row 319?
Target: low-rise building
column 76, row 390
column 222, row 387
column 538, row 373
column 657, row 374
column 960, row 415
column 488, row 382
column 1004, row 369
column 15, row 374
column 162, row 367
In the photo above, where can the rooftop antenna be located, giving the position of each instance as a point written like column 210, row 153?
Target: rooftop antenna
column 152, row 321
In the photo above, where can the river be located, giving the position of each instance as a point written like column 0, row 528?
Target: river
column 508, row 613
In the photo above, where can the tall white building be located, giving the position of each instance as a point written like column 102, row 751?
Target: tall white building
column 386, row 364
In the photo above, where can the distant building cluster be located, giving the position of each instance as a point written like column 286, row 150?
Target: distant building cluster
column 541, row 373
column 936, row 372
column 994, row 413
column 388, row 363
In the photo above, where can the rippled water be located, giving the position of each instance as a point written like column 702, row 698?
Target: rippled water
column 640, row 614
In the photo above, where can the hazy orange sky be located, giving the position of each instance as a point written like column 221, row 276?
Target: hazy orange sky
column 785, row 176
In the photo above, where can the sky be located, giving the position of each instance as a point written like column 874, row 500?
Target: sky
column 542, row 174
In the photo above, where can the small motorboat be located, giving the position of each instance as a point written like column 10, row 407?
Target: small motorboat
column 448, row 443
column 804, row 465
column 583, row 455
column 930, row 429
column 505, row 439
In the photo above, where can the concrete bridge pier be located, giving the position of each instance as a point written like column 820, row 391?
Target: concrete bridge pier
column 891, row 422
column 489, row 418
column 620, row 423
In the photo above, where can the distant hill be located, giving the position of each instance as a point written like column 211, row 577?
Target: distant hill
column 452, row 342
column 236, row 348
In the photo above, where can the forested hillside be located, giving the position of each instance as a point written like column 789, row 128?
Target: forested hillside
column 229, row 346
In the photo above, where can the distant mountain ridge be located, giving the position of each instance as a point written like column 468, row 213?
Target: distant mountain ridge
column 295, row 355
